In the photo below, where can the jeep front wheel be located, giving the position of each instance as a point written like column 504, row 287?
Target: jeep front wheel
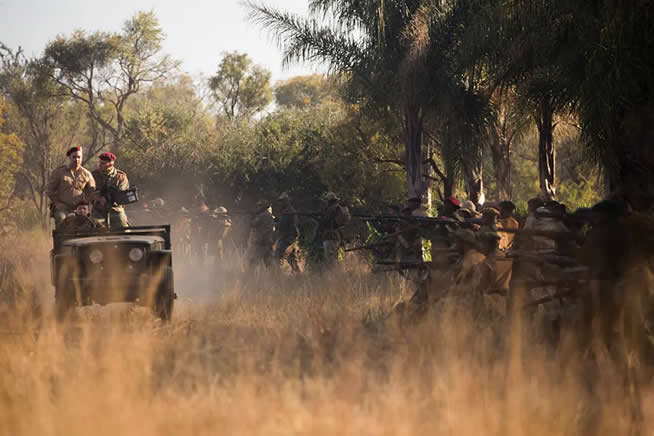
column 163, row 307
column 64, row 302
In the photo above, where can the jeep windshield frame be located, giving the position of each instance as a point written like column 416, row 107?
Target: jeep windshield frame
column 163, row 231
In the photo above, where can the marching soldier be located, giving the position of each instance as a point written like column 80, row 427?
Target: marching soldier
column 287, row 233
column 410, row 238
column 261, row 234
column 109, row 179
column 201, row 224
column 507, row 221
column 449, row 207
column 68, row 185
column 334, row 217
column 220, row 228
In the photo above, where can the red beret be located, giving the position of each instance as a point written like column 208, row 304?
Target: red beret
column 72, row 150
column 454, row 201
column 108, row 156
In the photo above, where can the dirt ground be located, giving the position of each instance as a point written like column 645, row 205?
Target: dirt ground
column 262, row 352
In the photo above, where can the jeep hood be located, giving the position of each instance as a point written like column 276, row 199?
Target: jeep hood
column 117, row 239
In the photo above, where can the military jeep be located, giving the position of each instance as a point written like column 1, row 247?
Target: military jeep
column 101, row 266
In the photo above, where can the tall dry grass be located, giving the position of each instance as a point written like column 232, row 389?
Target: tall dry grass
column 257, row 352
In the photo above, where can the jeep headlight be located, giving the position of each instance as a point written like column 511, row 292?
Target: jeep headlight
column 96, row 256
column 135, row 254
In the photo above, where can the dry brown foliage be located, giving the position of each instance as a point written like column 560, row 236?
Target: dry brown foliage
column 266, row 353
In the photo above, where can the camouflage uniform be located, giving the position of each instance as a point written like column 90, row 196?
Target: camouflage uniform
column 66, row 188
column 106, row 182
column 287, row 236
column 261, row 233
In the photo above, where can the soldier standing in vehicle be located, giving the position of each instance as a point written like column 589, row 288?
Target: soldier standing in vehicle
column 287, row 233
column 68, row 185
column 261, row 234
column 109, row 179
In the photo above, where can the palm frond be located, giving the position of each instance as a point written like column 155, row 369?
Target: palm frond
column 308, row 40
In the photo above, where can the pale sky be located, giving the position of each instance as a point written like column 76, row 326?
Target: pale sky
column 198, row 31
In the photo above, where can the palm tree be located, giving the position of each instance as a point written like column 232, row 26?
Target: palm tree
column 397, row 57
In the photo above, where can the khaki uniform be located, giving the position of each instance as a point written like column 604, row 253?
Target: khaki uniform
column 335, row 217
column 504, row 268
column 506, row 239
column 66, row 188
column 473, row 272
column 410, row 239
column 76, row 223
column 261, row 233
column 287, row 236
column 114, row 180
column 219, row 229
column 201, row 233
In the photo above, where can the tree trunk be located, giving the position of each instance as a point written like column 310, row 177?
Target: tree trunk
column 546, row 152
column 472, row 174
column 449, row 184
column 630, row 167
column 501, row 154
column 415, row 156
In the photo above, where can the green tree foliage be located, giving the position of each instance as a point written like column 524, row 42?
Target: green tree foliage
column 240, row 88
column 305, row 152
column 103, row 70
column 46, row 122
column 591, row 58
column 579, row 181
column 364, row 44
column 169, row 134
column 399, row 56
column 11, row 160
column 303, row 91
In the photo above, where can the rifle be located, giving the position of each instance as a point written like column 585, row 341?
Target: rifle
column 418, row 264
column 369, row 246
column 558, row 295
column 562, row 261
column 112, row 195
column 578, row 217
column 553, row 235
column 409, row 218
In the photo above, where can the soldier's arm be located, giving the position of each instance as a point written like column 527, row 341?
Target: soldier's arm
column 123, row 182
column 89, row 189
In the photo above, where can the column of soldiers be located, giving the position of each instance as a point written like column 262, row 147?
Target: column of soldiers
column 488, row 251
column 277, row 239
column 72, row 188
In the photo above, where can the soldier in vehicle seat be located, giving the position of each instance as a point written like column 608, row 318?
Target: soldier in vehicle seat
column 80, row 220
